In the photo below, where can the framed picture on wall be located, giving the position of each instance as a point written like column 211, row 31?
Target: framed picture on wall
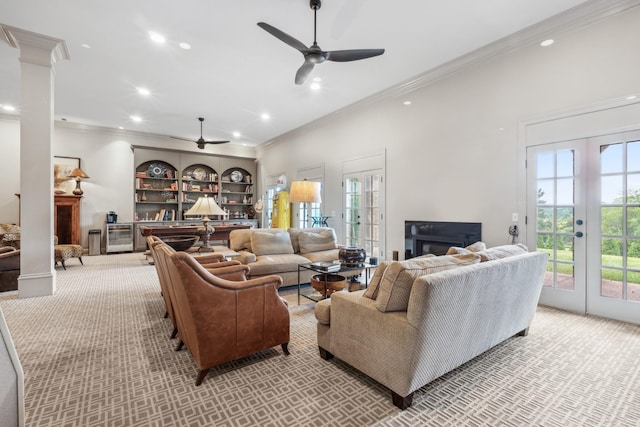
column 62, row 167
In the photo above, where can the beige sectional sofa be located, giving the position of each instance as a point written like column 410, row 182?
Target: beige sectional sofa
column 421, row 318
column 277, row 251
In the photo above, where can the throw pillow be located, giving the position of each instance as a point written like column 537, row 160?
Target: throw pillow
column 314, row 242
column 397, row 280
column 474, row 247
column 499, row 252
column 264, row 243
column 374, row 284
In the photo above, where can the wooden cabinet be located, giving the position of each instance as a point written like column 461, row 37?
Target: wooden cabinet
column 66, row 219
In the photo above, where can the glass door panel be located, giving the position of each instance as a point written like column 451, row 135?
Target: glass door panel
column 363, row 212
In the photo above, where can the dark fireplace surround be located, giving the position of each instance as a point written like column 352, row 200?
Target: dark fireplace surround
column 435, row 237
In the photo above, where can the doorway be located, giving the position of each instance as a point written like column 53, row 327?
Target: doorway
column 583, row 199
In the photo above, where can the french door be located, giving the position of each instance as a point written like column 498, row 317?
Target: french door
column 583, row 208
column 363, row 210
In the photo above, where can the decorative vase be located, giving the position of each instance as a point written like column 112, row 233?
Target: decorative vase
column 352, row 256
column 143, row 198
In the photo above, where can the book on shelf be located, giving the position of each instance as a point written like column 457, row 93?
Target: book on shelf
column 327, row 266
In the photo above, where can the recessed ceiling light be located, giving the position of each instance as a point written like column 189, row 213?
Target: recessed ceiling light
column 315, row 86
column 9, row 108
column 236, row 134
column 158, row 38
column 86, row 46
column 500, row 129
column 185, row 46
column 265, row 116
column 547, row 42
column 136, row 119
column 120, row 127
column 317, row 79
column 630, row 97
column 143, row 91
column 406, row 103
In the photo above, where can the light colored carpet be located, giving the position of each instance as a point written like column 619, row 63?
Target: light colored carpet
column 98, row 353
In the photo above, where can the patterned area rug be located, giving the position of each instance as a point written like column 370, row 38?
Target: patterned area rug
column 98, row 353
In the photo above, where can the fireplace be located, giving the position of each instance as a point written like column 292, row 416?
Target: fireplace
column 434, row 237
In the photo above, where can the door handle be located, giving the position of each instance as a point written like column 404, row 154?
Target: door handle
column 579, row 234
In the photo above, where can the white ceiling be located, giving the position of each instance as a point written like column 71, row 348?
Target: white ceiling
column 236, row 71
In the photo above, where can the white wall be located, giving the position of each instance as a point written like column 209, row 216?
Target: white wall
column 447, row 160
column 106, row 156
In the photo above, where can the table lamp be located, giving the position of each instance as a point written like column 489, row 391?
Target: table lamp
column 206, row 206
column 78, row 174
column 305, row 192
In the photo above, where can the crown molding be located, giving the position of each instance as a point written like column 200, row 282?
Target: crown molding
column 31, row 46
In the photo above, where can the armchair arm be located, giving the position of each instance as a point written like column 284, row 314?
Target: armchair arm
column 210, row 258
column 236, row 272
column 219, row 264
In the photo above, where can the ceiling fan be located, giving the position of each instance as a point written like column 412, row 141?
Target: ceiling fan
column 313, row 54
column 201, row 142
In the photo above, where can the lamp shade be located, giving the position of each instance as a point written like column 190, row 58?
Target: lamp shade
column 78, row 173
column 305, row 192
column 205, row 206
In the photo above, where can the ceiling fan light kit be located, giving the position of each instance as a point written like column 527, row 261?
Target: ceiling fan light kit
column 201, row 141
column 314, row 54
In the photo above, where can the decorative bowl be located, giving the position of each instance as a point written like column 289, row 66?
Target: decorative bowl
column 180, row 243
column 335, row 282
column 352, row 256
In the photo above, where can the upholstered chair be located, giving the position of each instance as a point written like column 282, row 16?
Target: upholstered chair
column 221, row 320
column 10, row 235
column 9, row 268
column 232, row 270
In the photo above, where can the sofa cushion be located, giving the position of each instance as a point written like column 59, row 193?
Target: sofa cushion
column 323, row 311
column 374, row 284
column 328, row 255
column 295, row 235
column 397, row 280
column 313, row 242
column 499, row 252
column 276, row 264
column 267, row 243
column 240, row 240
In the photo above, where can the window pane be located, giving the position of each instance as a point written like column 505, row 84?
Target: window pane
column 633, row 156
column 612, row 253
column 545, row 244
column 565, row 248
column 565, row 220
column 565, row 192
column 565, row 163
column 633, row 188
column 545, row 219
column 565, row 278
column 611, row 189
column 611, row 283
column 611, row 158
column 544, row 163
column 611, row 223
column 546, row 194
column 633, row 283
column 633, row 221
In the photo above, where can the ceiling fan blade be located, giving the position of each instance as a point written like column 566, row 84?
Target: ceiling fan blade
column 216, row 142
column 293, row 42
column 182, row 139
column 303, row 72
column 352, row 55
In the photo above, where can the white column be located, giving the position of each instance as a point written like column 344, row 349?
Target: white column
column 38, row 54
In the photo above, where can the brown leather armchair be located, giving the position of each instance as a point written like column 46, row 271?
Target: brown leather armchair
column 9, row 268
column 232, row 270
column 221, row 320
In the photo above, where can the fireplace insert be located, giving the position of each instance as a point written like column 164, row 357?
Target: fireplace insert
column 436, row 237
